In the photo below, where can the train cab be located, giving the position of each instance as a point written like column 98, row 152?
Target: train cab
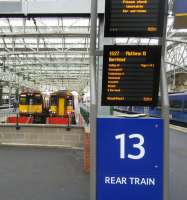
column 30, row 104
column 62, row 105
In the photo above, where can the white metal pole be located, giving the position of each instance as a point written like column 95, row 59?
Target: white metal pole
column 93, row 106
column 165, row 106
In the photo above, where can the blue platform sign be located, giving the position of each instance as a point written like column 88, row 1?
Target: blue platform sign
column 129, row 159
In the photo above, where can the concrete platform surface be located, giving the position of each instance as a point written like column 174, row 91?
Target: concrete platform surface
column 42, row 174
column 30, row 173
column 178, row 165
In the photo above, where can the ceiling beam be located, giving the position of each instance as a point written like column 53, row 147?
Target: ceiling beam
column 49, row 35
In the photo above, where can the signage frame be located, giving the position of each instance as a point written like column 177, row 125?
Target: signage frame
column 156, row 76
column 138, row 33
column 109, row 163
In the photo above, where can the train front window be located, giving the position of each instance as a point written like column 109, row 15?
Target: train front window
column 176, row 104
column 38, row 100
column 35, row 100
column 69, row 102
column 185, row 105
column 53, row 100
column 23, row 100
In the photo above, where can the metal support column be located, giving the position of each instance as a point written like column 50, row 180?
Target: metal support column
column 102, row 110
column 165, row 116
column 1, row 94
column 93, row 101
column 165, row 107
column 10, row 94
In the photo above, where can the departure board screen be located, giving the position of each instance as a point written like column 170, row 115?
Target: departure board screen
column 134, row 18
column 131, row 75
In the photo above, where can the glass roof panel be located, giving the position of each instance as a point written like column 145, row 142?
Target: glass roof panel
column 3, row 22
column 52, row 44
column 75, row 22
column 16, row 22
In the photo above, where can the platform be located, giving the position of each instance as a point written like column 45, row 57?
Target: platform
column 42, row 174
column 178, row 163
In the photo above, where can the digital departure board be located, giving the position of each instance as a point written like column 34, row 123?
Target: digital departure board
column 131, row 75
column 134, row 18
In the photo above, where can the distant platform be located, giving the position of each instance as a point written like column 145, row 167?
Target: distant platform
column 180, row 129
column 129, row 115
column 5, row 106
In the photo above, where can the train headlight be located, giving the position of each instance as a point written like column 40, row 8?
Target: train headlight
column 69, row 113
column 52, row 112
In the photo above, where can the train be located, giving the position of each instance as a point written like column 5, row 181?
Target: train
column 59, row 106
column 177, row 110
column 31, row 104
column 178, row 107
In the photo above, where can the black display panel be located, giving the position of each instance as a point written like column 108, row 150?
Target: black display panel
column 131, row 75
column 134, row 18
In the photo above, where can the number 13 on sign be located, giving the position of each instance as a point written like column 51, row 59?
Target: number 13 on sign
column 139, row 146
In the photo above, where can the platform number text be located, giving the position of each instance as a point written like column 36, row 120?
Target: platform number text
column 122, row 142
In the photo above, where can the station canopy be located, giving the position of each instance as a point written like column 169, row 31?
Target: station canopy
column 52, row 53
column 45, row 53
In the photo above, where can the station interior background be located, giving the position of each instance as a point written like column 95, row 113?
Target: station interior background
column 51, row 53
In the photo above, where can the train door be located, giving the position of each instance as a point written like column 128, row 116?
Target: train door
column 54, row 104
column 69, row 104
column 61, row 103
column 23, row 104
column 31, row 104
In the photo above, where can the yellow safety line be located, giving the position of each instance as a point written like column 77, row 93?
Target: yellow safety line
column 181, row 14
column 178, row 128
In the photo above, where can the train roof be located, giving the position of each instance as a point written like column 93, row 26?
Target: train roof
column 178, row 93
column 30, row 93
column 62, row 93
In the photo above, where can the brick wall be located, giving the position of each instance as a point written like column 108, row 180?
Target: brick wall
column 87, row 152
column 42, row 135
